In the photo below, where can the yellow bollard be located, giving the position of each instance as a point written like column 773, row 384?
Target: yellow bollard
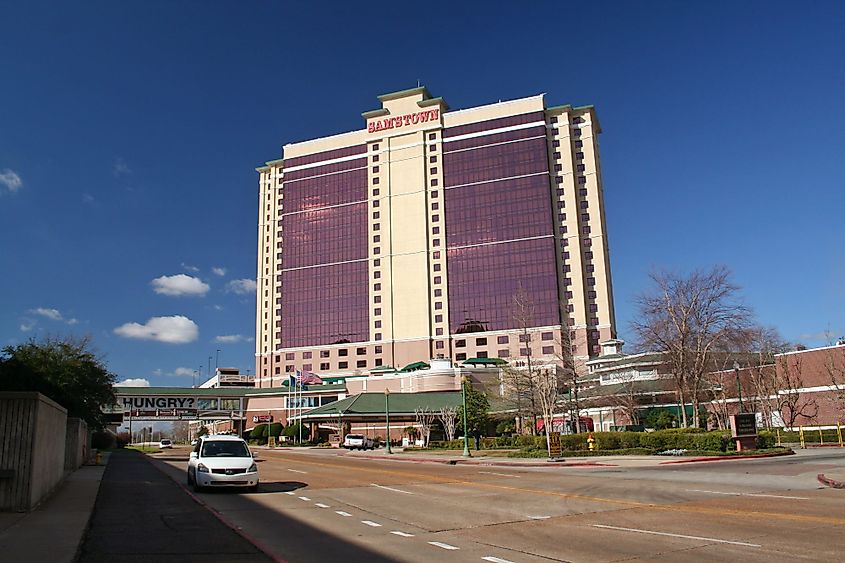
column 839, row 433
column 777, row 430
column 99, row 458
column 801, row 434
column 821, row 437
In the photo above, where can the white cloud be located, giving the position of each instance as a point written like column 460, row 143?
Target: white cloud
column 157, row 371
column 190, row 268
column 27, row 325
column 218, row 307
column 73, row 321
column 52, row 314
column 120, row 168
column 179, row 285
column 11, row 180
column 138, row 382
column 173, row 330
column 183, row 372
column 232, row 338
column 219, row 271
column 241, row 287
column 88, row 198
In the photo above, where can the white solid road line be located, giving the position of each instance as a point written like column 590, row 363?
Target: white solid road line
column 676, row 535
column 391, row 489
column 304, row 498
column 402, row 534
column 539, row 517
column 321, row 505
column 499, row 474
column 297, row 471
column 496, row 559
column 746, row 494
column 342, row 513
column 290, row 493
column 443, row 545
column 371, row 523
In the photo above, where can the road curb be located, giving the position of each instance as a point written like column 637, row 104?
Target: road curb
column 237, row 529
column 487, row 463
column 725, row 458
column 833, row 483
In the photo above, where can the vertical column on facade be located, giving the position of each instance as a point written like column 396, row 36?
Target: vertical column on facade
column 601, row 318
column 379, row 243
column 264, row 283
column 437, row 246
column 569, row 243
column 276, row 249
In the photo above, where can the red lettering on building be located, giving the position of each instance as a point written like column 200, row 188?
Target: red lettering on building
column 403, row 120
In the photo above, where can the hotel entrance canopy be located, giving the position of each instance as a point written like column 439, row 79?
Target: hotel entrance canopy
column 370, row 407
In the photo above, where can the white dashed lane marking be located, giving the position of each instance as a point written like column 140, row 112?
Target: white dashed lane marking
column 342, row 513
column 539, row 517
column 391, row 489
column 290, row 493
column 744, row 544
column 321, row 505
column 402, row 534
column 296, row 471
column 304, row 498
column 496, row 559
column 443, row 545
column 371, row 523
column 499, row 474
column 746, row 494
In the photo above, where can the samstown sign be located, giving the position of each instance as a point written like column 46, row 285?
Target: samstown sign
column 178, row 407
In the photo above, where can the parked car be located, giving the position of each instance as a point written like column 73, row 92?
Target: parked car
column 222, row 461
column 358, row 441
column 164, row 444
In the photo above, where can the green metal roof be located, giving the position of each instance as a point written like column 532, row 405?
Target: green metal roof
column 415, row 366
column 373, row 404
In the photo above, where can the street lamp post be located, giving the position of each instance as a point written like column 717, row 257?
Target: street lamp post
column 466, row 430
column 217, row 359
column 387, row 419
column 738, row 386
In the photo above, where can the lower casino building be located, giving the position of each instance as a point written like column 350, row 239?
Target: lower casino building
column 430, row 233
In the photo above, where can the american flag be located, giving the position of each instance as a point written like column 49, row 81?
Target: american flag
column 308, row 378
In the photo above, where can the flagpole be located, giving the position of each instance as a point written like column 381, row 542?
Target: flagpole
column 300, row 408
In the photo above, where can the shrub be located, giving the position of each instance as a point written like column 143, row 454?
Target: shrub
column 275, row 429
column 122, row 439
column 102, row 440
column 259, row 433
column 292, row 431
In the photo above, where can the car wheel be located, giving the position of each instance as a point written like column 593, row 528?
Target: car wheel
column 190, row 481
column 253, row 488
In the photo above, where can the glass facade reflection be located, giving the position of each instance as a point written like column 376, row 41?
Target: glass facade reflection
column 499, row 226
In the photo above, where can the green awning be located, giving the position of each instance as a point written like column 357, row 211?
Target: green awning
column 415, row 366
column 485, row 362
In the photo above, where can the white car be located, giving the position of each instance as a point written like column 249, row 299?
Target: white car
column 222, row 461
column 358, row 441
column 164, row 444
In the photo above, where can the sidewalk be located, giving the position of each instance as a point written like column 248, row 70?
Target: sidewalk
column 53, row 531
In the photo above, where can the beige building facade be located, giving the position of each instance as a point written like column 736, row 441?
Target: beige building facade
column 416, row 237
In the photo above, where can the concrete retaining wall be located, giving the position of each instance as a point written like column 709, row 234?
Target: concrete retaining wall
column 76, row 443
column 33, row 432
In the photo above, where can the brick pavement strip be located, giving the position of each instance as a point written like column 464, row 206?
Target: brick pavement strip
column 143, row 515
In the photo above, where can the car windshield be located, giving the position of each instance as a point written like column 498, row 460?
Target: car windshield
column 354, row 437
column 165, row 441
column 225, row 449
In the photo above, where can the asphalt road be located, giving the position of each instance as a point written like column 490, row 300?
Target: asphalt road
column 319, row 505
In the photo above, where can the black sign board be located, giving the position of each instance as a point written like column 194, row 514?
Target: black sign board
column 554, row 444
column 744, row 425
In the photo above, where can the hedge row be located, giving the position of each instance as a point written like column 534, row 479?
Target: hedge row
column 657, row 441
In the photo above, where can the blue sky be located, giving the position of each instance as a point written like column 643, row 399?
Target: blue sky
column 129, row 133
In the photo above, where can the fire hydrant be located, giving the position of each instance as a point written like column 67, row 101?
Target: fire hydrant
column 591, row 442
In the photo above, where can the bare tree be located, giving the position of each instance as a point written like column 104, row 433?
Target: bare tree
column 686, row 318
column 448, row 417
column 568, row 375
column 425, row 419
column 522, row 311
column 790, row 403
column 834, row 365
column 628, row 397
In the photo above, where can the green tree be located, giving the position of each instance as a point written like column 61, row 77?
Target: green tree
column 478, row 409
column 292, row 431
column 66, row 370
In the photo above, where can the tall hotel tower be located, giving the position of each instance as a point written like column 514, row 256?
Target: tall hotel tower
column 412, row 238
